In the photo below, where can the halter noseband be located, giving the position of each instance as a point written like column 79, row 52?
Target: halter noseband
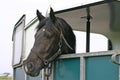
column 46, row 62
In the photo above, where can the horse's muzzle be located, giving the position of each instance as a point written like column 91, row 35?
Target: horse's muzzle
column 30, row 69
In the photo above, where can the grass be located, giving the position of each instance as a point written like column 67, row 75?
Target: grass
column 5, row 78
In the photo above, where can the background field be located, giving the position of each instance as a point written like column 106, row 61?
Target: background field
column 5, row 78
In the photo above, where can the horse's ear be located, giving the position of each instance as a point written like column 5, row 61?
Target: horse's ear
column 52, row 15
column 39, row 15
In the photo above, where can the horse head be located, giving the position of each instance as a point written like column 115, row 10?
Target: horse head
column 53, row 37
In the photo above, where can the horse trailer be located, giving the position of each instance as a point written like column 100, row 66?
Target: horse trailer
column 101, row 18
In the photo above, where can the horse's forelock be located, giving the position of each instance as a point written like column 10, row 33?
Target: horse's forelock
column 59, row 23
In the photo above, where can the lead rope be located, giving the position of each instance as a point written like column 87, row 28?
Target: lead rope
column 48, row 71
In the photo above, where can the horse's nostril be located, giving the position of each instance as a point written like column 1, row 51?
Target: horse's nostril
column 30, row 66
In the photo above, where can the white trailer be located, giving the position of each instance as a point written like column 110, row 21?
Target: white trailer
column 101, row 18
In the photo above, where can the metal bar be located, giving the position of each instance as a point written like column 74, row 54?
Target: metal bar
column 82, row 68
column 109, row 45
column 101, row 53
column 88, row 30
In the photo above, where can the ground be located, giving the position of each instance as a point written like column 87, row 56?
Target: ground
column 5, row 78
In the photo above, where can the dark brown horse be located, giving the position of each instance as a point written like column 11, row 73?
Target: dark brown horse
column 53, row 37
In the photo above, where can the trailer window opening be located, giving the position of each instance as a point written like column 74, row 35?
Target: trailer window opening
column 98, row 42
column 18, row 42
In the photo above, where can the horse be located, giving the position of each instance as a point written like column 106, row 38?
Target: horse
column 53, row 37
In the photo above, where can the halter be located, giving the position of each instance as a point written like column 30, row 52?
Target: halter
column 46, row 62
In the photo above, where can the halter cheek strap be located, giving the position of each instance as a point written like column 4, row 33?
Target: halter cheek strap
column 62, row 37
